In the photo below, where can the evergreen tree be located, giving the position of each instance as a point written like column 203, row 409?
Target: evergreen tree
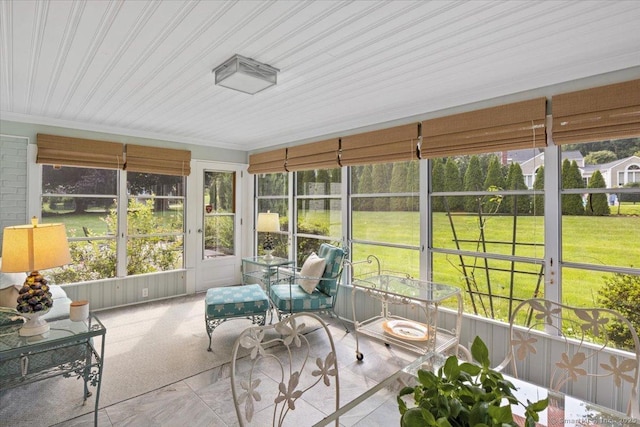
column 380, row 185
column 538, row 186
column 452, row 182
column 413, row 185
column 494, row 181
column 437, row 184
column 597, row 204
column 399, row 185
column 365, row 187
column 571, row 178
column 515, row 181
column 472, row 182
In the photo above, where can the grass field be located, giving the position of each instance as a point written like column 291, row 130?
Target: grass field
column 608, row 240
column 611, row 240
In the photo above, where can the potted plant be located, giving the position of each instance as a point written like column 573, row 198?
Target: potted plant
column 464, row 394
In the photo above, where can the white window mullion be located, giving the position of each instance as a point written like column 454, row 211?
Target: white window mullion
column 425, row 220
column 552, row 218
column 121, row 237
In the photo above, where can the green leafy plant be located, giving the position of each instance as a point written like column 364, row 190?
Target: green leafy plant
column 464, row 394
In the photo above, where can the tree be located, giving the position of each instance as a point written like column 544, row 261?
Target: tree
column 515, row 181
column 365, row 186
column 472, row 182
column 597, row 204
column 452, row 182
column 380, row 185
column 599, row 157
column 437, row 184
column 399, row 184
column 304, row 178
column 538, row 186
column 494, row 181
column 622, row 148
column 571, row 178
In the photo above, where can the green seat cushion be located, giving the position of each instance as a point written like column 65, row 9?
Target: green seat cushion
column 333, row 257
column 235, row 301
column 301, row 300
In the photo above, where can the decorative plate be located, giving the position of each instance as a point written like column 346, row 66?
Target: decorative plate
column 406, row 329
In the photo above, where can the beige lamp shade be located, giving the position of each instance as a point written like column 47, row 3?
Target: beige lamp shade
column 27, row 248
column 268, row 222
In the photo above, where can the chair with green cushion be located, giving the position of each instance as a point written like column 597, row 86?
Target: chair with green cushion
column 289, row 298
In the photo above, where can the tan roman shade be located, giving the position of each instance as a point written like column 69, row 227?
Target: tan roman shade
column 598, row 114
column 506, row 127
column 316, row 155
column 268, row 162
column 165, row 161
column 382, row 146
column 62, row 150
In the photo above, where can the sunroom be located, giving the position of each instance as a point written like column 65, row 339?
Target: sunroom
column 513, row 194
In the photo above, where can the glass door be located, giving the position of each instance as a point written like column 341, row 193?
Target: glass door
column 218, row 228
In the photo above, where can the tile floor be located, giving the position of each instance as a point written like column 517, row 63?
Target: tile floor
column 205, row 399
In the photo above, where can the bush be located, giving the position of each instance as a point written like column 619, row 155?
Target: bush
column 96, row 259
column 622, row 293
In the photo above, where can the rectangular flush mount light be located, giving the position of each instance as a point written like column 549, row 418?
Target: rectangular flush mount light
column 245, row 75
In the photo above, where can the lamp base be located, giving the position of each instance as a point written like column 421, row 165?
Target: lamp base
column 34, row 325
column 268, row 255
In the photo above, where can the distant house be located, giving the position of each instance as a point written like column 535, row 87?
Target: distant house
column 530, row 162
column 616, row 173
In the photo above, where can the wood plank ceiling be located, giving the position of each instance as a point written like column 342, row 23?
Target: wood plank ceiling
column 143, row 68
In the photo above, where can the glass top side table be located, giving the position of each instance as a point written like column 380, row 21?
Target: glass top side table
column 256, row 269
column 67, row 349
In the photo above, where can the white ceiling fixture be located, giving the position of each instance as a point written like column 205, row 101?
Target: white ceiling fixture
column 245, row 75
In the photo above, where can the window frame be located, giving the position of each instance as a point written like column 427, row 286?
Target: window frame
column 34, row 208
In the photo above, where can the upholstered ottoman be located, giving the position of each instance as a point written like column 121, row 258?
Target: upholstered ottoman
column 229, row 302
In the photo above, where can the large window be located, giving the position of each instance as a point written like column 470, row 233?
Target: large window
column 272, row 195
column 385, row 215
column 155, row 222
column 318, row 210
column 487, row 229
column 600, row 223
column 88, row 202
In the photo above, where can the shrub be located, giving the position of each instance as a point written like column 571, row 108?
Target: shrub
column 622, row 293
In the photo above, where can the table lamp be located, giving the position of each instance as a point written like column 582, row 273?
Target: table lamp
column 29, row 248
column 268, row 223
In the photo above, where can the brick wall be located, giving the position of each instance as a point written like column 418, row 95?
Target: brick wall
column 13, row 182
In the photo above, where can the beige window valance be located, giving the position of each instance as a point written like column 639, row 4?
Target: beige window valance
column 505, row 127
column 316, row 155
column 598, row 114
column 165, row 161
column 268, row 161
column 63, row 150
column 394, row 144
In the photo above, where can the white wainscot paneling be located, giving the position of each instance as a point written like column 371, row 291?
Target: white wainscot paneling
column 121, row 291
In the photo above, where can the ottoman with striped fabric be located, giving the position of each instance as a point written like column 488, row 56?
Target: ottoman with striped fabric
column 229, row 302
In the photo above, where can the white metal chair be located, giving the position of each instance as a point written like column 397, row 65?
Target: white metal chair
column 586, row 354
column 286, row 361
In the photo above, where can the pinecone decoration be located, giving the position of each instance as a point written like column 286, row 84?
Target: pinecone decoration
column 34, row 295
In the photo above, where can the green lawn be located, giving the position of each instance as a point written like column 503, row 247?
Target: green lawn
column 610, row 240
